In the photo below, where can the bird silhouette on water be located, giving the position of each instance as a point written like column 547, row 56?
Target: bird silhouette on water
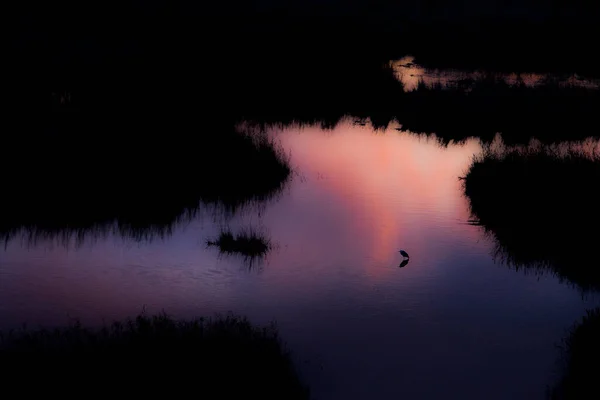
column 404, row 262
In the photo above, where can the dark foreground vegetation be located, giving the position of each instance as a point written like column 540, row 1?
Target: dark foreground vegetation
column 581, row 355
column 223, row 358
column 249, row 243
column 541, row 207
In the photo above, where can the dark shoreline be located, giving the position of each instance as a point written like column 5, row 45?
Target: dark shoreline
column 541, row 209
column 224, row 357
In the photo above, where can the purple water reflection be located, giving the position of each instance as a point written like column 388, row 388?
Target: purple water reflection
column 451, row 324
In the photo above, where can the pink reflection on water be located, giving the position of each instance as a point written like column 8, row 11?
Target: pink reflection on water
column 365, row 195
column 397, row 189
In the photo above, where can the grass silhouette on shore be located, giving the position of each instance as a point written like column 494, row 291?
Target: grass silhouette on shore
column 61, row 184
column 541, row 207
column 581, row 352
column 474, row 107
column 227, row 357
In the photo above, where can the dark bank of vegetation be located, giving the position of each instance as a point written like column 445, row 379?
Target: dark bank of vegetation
column 581, row 355
column 249, row 243
column 483, row 107
column 138, row 177
column 478, row 107
column 541, row 208
column 123, row 119
column 223, row 357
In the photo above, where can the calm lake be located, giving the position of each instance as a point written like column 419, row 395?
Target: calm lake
column 452, row 323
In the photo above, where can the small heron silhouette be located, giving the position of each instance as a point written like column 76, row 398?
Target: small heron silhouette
column 404, row 254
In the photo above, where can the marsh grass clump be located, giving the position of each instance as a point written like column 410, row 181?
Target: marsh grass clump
column 227, row 357
column 541, row 207
column 249, row 243
column 580, row 360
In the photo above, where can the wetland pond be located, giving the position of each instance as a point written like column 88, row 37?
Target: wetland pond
column 360, row 321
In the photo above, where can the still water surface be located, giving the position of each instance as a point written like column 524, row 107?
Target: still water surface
column 449, row 324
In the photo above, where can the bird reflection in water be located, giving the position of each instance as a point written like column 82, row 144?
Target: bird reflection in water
column 404, row 263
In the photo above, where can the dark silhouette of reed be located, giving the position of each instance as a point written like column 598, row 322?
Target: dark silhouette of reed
column 580, row 354
column 227, row 357
column 540, row 207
